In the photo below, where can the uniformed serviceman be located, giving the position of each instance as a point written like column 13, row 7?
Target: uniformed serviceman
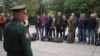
column 71, row 30
column 16, row 39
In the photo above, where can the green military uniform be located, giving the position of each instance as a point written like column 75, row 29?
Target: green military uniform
column 16, row 39
column 71, row 31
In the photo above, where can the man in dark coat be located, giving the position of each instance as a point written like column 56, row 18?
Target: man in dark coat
column 59, row 24
column 81, row 28
column 38, row 25
column 16, row 36
column 91, row 25
column 64, row 25
column 48, row 25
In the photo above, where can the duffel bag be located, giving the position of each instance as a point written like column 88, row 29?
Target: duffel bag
column 97, row 43
column 57, row 39
column 46, row 38
column 33, row 37
column 60, row 39
column 70, row 38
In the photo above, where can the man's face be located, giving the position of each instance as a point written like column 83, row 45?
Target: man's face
column 59, row 13
column 95, row 14
column 48, row 14
column 71, row 18
column 38, row 17
column 72, row 14
column 44, row 15
column 64, row 17
column 92, row 16
column 2, row 14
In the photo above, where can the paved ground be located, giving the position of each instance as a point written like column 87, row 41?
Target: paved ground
column 59, row 49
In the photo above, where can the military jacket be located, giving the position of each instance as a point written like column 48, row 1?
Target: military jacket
column 16, row 39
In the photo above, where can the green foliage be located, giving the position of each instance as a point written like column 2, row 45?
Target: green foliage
column 1, row 10
column 65, row 6
column 32, row 5
column 76, row 6
column 94, row 6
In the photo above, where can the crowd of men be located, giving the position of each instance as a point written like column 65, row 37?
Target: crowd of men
column 53, row 25
column 17, row 41
column 56, row 25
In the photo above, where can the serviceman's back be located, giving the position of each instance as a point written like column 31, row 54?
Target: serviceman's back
column 17, row 40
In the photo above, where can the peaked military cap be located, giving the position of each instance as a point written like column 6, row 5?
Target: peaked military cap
column 19, row 7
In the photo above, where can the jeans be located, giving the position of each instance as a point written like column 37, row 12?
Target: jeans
column 42, row 31
column 37, row 31
column 48, row 31
column 91, row 36
column 81, row 35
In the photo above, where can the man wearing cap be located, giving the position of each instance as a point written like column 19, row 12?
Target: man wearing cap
column 16, row 39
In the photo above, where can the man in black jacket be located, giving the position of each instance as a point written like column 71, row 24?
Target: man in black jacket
column 59, row 24
column 64, row 25
column 38, row 25
column 48, row 25
column 81, row 28
column 91, row 25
